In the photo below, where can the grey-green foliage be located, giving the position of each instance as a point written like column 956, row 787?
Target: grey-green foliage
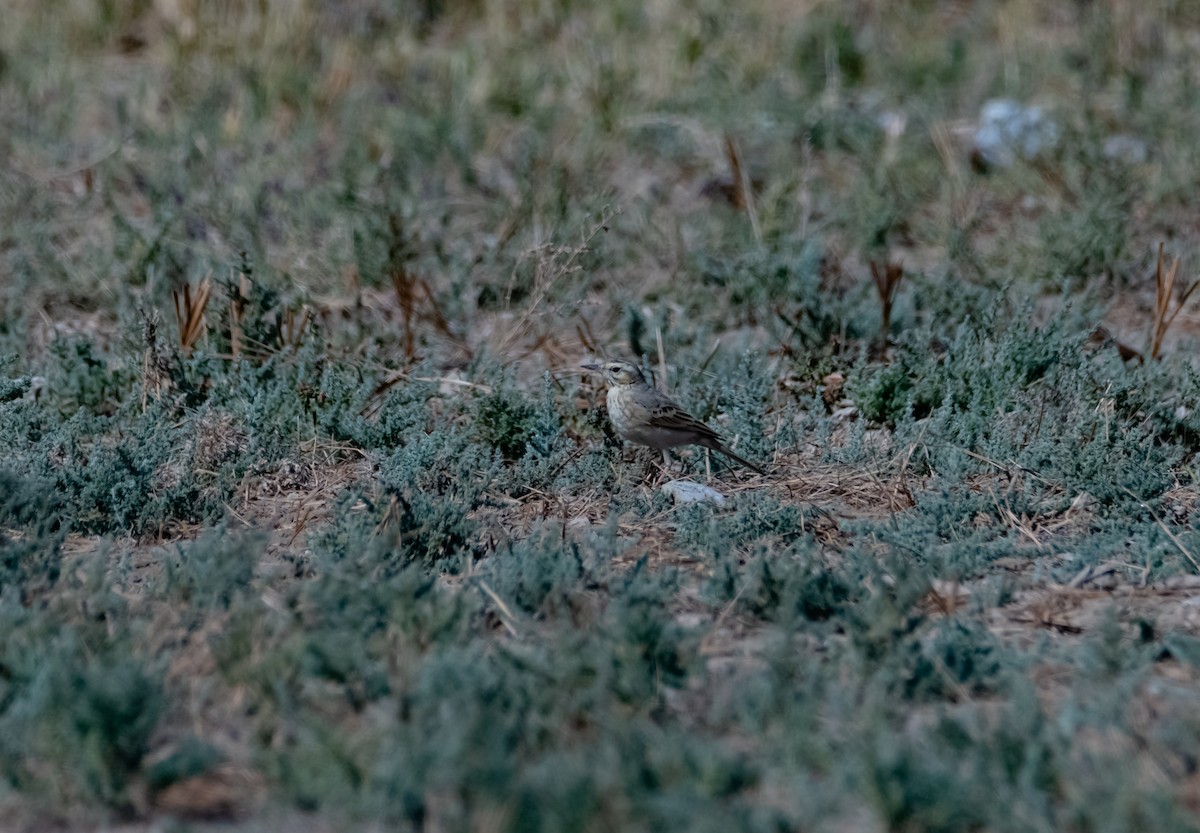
column 649, row 647
column 77, row 706
column 190, row 757
column 111, row 465
column 544, row 575
column 527, row 429
column 81, row 376
column 935, row 783
column 762, row 275
column 119, row 463
column 1006, row 393
column 756, row 519
column 888, row 615
column 13, row 388
column 420, row 663
column 430, row 486
column 119, row 480
column 982, row 369
column 505, row 423
column 952, row 659
column 1090, row 237
column 1017, row 421
column 446, row 708
column 780, row 285
column 293, row 396
column 30, row 536
column 956, row 531
column 212, row 570
column 781, row 583
column 742, row 387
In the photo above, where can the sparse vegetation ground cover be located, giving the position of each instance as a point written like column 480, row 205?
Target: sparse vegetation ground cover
column 309, row 519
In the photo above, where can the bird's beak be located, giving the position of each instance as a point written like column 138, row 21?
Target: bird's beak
column 594, row 367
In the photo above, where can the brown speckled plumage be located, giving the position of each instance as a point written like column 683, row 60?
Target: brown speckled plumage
column 646, row 416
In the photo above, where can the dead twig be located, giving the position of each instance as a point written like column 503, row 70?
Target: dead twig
column 551, row 265
column 294, row 326
column 507, row 618
column 237, row 308
column 1166, row 530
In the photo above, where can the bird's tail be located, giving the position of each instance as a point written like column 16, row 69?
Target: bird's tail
column 737, row 459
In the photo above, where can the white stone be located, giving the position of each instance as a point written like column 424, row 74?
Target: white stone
column 685, row 491
column 1008, row 131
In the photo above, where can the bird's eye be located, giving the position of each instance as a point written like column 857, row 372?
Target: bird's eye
column 616, row 368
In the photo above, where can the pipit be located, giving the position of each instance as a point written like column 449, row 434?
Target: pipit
column 646, row 416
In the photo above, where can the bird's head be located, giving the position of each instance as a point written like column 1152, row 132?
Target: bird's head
column 617, row 372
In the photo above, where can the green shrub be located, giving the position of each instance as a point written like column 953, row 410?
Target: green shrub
column 212, row 570
column 541, row 576
column 83, row 378
column 505, row 424
column 756, row 519
column 937, row 782
column 77, row 709
column 30, row 536
column 952, row 660
column 778, row 584
column 189, row 758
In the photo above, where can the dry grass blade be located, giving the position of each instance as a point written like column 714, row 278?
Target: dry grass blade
column 404, row 283
column 375, row 400
column 743, row 189
column 887, row 279
column 1164, row 289
column 237, row 308
column 189, row 313
column 413, row 294
column 662, row 360
column 945, row 597
column 587, row 337
column 507, row 617
column 294, row 326
column 434, row 315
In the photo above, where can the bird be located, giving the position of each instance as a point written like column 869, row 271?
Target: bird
column 644, row 415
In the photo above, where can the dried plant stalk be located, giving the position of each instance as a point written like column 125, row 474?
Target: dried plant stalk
column 156, row 367
column 743, row 189
column 887, row 279
column 413, row 294
column 189, row 313
column 1164, row 289
column 294, row 326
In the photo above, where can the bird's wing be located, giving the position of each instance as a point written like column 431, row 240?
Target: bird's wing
column 666, row 414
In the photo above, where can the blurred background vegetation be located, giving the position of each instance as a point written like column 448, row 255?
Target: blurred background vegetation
column 307, row 516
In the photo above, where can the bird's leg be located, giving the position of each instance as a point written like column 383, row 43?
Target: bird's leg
column 664, row 473
column 653, row 473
